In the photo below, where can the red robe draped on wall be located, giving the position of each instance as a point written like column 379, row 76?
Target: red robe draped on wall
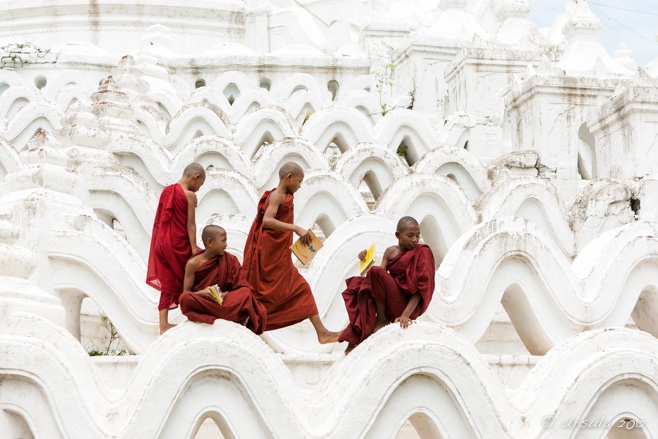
column 410, row 272
column 269, row 269
column 170, row 246
column 240, row 303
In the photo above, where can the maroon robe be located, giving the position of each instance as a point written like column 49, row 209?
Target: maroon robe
column 170, row 246
column 269, row 269
column 409, row 272
column 239, row 303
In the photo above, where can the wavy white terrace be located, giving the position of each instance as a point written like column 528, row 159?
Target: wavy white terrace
column 527, row 155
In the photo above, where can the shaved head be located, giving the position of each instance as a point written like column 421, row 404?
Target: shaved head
column 194, row 168
column 212, row 232
column 406, row 221
column 290, row 168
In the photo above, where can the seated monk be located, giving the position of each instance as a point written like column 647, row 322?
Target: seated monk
column 399, row 290
column 214, row 266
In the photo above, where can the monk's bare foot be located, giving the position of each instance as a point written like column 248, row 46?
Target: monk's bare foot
column 379, row 324
column 350, row 348
column 245, row 321
column 165, row 327
column 328, row 337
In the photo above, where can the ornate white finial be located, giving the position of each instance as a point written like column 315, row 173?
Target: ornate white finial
column 624, row 57
column 582, row 25
column 506, row 9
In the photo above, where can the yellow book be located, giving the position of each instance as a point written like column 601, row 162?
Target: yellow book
column 369, row 262
column 216, row 291
column 306, row 252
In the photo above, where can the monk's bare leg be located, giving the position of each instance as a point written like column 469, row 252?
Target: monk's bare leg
column 324, row 335
column 381, row 317
column 164, row 321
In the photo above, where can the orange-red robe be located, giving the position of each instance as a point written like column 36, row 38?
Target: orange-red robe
column 170, row 246
column 239, row 303
column 409, row 272
column 269, row 269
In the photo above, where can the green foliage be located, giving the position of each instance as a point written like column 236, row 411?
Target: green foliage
column 114, row 338
column 334, row 157
column 384, row 80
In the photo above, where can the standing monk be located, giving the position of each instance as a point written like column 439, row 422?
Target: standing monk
column 173, row 241
column 268, row 262
column 400, row 294
column 214, row 266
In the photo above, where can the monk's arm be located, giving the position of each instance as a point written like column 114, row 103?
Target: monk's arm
column 190, row 275
column 404, row 319
column 387, row 255
column 270, row 222
column 191, row 220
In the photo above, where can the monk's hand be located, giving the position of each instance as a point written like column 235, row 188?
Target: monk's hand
column 206, row 293
column 362, row 255
column 223, row 295
column 405, row 322
column 303, row 235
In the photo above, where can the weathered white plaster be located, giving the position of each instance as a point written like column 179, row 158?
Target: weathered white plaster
column 527, row 156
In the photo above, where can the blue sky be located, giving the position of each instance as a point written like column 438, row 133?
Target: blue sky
column 637, row 30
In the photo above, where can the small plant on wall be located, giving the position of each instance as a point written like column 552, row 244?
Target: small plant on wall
column 114, row 339
column 384, row 82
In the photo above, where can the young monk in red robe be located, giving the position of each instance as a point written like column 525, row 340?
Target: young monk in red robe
column 214, row 266
column 268, row 264
column 399, row 290
column 173, row 240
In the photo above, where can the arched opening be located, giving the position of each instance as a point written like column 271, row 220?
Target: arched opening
column 372, row 190
column 40, row 81
column 231, row 92
column 332, row 153
column 305, row 114
column 16, row 106
column 643, row 313
column 340, row 141
column 432, row 235
column 403, row 151
column 70, row 106
column 164, row 110
column 143, row 128
column 333, row 86
column 265, row 83
column 323, row 227
column 98, row 335
column 197, row 134
column 298, row 88
column 628, row 428
column 586, row 154
column 38, row 131
column 3, row 86
column 14, row 425
column 209, row 429
column 200, row 83
column 408, row 431
column 517, row 306
column 265, row 140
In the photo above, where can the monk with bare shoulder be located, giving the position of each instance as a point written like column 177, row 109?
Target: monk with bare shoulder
column 399, row 290
column 268, row 262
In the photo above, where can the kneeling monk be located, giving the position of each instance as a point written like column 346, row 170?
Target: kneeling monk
column 400, row 294
column 215, row 266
